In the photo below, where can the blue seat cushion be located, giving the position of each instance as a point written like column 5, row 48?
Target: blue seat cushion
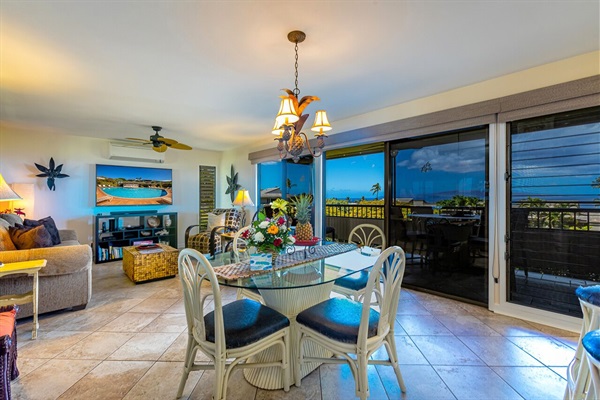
column 591, row 343
column 246, row 321
column 338, row 319
column 355, row 281
column 591, row 294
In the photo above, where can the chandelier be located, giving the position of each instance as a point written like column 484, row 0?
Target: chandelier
column 290, row 120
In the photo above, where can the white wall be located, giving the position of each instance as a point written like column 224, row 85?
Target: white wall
column 72, row 205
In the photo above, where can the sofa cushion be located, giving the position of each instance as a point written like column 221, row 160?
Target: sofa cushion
column 30, row 238
column 12, row 219
column 5, row 240
column 48, row 222
column 4, row 223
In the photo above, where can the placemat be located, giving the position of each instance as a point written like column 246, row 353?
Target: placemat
column 242, row 269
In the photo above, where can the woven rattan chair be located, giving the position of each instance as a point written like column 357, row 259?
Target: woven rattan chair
column 230, row 334
column 353, row 286
column 352, row 330
column 209, row 241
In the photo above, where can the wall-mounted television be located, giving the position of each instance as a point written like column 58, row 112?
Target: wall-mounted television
column 133, row 186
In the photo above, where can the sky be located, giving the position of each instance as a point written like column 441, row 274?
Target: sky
column 354, row 176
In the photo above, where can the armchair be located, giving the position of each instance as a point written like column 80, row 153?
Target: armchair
column 209, row 241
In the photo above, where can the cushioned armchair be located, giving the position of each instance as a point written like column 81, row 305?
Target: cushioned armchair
column 221, row 220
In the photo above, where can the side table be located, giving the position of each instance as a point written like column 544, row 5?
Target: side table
column 30, row 268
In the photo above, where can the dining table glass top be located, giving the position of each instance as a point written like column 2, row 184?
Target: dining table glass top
column 301, row 273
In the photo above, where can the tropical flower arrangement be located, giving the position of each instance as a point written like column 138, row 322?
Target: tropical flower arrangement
column 268, row 235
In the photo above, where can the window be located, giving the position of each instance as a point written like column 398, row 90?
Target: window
column 554, row 209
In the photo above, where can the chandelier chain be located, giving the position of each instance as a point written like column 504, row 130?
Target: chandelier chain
column 296, row 90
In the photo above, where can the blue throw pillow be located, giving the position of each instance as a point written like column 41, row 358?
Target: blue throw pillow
column 48, row 222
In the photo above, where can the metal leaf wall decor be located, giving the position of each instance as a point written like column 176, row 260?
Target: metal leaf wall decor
column 232, row 184
column 51, row 173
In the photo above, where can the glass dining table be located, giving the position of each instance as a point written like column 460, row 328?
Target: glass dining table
column 301, row 278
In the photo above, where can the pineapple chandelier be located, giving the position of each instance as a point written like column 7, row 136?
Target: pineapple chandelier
column 290, row 120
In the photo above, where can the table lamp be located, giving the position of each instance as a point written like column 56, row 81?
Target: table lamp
column 243, row 199
column 6, row 193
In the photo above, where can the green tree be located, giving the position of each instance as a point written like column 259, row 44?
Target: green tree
column 375, row 189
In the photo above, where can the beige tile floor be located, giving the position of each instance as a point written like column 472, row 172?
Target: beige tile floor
column 129, row 343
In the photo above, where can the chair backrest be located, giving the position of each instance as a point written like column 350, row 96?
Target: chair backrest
column 233, row 217
column 368, row 235
column 389, row 271
column 193, row 269
column 240, row 244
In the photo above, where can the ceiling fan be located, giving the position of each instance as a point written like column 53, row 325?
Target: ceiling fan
column 160, row 143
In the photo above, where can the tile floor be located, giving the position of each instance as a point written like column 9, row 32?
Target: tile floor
column 130, row 342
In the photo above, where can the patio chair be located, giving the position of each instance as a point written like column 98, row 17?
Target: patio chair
column 353, row 286
column 241, row 253
column 352, row 330
column 221, row 220
column 230, row 334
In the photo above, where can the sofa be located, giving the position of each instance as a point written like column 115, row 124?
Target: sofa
column 65, row 282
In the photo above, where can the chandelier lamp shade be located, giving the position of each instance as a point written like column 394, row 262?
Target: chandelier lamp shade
column 290, row 118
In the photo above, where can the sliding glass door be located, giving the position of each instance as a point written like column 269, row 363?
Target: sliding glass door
column 438, row 195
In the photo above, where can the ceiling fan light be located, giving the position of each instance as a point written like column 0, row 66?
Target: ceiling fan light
column 321, row 122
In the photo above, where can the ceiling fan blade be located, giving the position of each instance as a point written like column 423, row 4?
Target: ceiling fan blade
column 180, row 146
column 167, row 141
column 160, row 149
column 139, row 140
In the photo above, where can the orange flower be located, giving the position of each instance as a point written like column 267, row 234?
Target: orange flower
column 272, row 229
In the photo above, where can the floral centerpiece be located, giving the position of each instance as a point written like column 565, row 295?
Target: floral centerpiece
column 269, row 235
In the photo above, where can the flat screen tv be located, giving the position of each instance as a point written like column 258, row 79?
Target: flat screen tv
column 133, row 186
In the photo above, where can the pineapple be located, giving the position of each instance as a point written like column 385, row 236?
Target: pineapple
column 304, row 229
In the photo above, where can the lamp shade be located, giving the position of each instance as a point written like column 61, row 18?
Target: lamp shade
column 6, row 193
column 243, row 199
column 321, row 122
column 287, row 113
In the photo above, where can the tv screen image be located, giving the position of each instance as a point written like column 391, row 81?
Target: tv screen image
column 133, row 186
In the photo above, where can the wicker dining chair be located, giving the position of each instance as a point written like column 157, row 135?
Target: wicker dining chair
column 230, row 334
column 353, row 286
column 352, row 330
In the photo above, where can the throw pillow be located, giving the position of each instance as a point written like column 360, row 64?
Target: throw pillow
column 48, row 222
column 215, row 220
column 7, row 322
column 12, row 219
column 5, row 241
column 4, row 223
column 30, row 238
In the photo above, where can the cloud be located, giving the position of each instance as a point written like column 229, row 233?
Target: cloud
column 448, row 158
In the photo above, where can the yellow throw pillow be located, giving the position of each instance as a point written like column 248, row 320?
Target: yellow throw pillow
column 5, row 241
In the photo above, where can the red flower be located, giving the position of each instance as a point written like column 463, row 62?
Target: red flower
column 281, row 221
column 245, row 234
column 277, row 242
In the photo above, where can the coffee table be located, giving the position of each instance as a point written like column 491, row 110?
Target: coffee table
column 140, row 266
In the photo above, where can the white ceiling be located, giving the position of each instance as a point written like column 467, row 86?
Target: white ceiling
column 209, row 72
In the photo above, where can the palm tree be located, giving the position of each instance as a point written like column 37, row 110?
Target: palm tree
column 375, row 189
